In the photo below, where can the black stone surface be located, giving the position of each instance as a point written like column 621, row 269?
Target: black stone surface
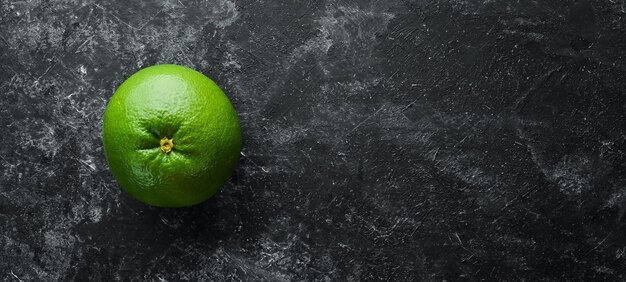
column 395, row 140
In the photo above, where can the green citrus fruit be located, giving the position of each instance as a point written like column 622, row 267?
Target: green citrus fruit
column 171, row 136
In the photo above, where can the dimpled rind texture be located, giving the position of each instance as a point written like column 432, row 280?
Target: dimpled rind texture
column 178, row 103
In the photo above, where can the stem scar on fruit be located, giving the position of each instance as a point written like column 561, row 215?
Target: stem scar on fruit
column 166, row 145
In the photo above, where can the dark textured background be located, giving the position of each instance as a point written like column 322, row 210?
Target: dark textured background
column 400, row 140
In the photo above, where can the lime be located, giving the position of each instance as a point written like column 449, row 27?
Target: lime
column 171, row 137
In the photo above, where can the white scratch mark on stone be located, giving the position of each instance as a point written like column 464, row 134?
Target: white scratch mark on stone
column 254, row 163
column 18, row 279
column 223, row 12
column 116, row 17
column 366, row 119
column 82, row 69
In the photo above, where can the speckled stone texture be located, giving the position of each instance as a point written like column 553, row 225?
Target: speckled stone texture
column 395, row 140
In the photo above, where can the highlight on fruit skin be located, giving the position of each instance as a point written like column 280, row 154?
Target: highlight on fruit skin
column 171, row 136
